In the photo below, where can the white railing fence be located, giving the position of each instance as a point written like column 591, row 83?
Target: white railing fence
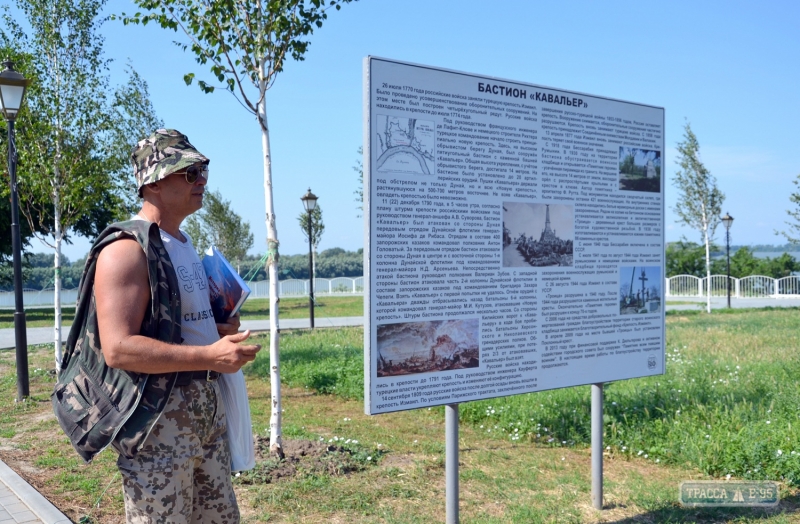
column 339, row 286
column 755, row 286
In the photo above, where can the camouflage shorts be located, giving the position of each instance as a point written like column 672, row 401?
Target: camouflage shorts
column 182, row 474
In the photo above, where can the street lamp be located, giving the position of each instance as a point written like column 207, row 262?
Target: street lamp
column 12, row 92
column 310, row 203
column 728, row 221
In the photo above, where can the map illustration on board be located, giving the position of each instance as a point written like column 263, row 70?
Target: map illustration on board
column 405, row 145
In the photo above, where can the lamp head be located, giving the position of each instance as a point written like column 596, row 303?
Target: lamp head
column 12, row 91
column 309, row 201
column 727, row 220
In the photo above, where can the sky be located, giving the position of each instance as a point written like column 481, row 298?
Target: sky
column 727, row 67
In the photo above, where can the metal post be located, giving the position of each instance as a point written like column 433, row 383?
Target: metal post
column 728, row 246
column 20, row 332
column 597, row 445
column 311, row 274
column 451, row 461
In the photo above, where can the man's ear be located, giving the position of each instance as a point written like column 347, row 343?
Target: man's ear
column 152, row 187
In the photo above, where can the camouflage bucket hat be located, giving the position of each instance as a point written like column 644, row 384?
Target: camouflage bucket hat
column 164, row 152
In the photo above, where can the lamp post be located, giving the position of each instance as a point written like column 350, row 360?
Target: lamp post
column 12, row 92
column 310, row 203
column 728, row 221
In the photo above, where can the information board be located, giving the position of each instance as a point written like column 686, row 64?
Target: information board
column 514, row 239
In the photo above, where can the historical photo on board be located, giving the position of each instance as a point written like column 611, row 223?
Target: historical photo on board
column 405, row 145
column 639, row 169
column 640, row 290
column 423, row 347
column 537, row 235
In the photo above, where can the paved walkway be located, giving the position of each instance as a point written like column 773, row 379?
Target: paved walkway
column 19, row 502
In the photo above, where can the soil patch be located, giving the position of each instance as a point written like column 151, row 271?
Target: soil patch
column 301, row 458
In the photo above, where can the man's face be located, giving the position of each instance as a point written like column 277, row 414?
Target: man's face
column 179, row 196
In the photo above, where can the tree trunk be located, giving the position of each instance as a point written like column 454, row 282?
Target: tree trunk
column 57, row 236
column 275, row 431
column 708, row 272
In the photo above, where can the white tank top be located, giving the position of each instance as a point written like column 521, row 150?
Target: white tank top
column 198, row 327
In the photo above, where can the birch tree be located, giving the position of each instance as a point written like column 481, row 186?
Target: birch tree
column 793, row 233
column 72, row 171
column 699, row 200
column 245, row 44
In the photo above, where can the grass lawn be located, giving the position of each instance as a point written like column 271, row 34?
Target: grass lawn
column 727, row 404
column 37, row 317
column 254, row 309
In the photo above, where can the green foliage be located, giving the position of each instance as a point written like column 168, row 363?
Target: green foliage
column 5, row 221
column 331, row 263
column 699, row 200
column 38, row 272
column 688, row 258
column 218, row 224
column 793, row 233
column 685, row 258
column 76, row 130
column 627, row 165
column 744, row 264
column 244, row 44
column 317, row 225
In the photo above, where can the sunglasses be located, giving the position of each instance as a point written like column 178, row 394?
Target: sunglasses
column 193, row 172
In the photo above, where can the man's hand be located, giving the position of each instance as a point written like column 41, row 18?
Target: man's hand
column 230, row 326
column 229, row 355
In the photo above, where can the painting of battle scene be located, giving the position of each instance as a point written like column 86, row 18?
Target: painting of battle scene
column 424, row 347
column 640, row 290
column 537, row 234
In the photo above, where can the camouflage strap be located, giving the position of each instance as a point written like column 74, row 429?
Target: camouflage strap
column 272, row 251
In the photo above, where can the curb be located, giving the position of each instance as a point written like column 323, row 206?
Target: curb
column 43, row 508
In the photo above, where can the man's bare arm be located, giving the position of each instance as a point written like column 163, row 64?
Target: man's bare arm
column 122, row 294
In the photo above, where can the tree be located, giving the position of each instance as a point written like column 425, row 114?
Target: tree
column 245, row 45
column 217, row 224
column 699, row 200
column 77, row 131
column 359, row 168
column 793, row 235
column 782, row 266
column 685, row 258
column 317, row 228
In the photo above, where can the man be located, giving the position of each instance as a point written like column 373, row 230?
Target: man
column 148, row 346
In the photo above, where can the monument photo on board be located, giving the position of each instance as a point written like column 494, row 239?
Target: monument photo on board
column 640, row 290
column 639, row 169
column 536, row 235
column 422, row 347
